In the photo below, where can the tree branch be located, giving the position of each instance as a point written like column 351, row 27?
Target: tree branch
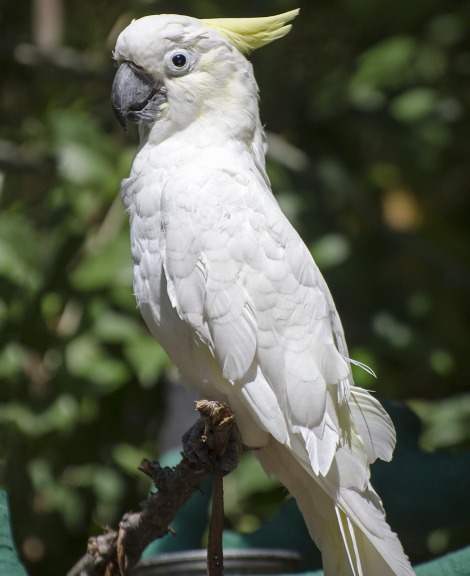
column 212, row 445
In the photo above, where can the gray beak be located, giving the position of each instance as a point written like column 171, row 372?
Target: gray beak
column 135, row 96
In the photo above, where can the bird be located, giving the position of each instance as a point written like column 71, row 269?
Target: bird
column 228, row 288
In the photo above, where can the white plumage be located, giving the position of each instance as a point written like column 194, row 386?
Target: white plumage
column 229, row 289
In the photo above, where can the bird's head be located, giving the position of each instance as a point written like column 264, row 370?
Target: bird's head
column 177, row 69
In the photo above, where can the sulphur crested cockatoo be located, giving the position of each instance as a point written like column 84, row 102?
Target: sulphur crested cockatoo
column 229, row 289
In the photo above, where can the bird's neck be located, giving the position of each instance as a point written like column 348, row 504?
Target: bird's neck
column 220, row 137
column 219, row 113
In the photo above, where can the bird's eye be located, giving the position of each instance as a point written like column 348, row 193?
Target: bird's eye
column 179, row 60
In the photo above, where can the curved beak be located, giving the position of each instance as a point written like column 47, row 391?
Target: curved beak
column 135, row 96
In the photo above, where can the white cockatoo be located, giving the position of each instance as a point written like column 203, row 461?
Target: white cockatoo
column 229, row 289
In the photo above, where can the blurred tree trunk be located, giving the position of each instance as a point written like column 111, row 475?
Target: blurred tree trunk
column 48, row 23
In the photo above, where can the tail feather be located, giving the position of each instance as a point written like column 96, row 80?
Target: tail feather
column 348, row 525
column 350, row 543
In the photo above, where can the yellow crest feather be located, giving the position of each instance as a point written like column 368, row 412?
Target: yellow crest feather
column 247, row 34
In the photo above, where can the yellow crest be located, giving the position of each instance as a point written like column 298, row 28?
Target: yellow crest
column 247, row 34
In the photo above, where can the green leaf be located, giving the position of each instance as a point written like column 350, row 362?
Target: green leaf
column 62, row 415
column 12, row 360
column 330, row 250
column 386, row 64
column 414, row 105
column 129, row 457
column 19, row 251
column 86, row 359
column 113, row 327
column 147, row 358
column 108, row 267
column 446, row 421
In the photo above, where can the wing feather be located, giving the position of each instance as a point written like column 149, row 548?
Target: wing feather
column 373, row 424
column 242, row 277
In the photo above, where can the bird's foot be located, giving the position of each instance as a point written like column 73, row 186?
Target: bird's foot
column 214, row 440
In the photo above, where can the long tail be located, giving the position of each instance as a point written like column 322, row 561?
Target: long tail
column 347, row 525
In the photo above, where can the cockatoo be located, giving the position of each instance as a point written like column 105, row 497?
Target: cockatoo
column 229, row 289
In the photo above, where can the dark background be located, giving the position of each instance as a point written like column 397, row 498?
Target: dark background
column 366, row 107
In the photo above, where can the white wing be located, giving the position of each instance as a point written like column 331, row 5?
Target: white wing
column 239, row 274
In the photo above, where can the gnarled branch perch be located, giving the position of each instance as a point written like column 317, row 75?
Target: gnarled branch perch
column 212, row 446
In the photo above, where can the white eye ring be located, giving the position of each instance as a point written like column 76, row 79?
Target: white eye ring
column 179, row 61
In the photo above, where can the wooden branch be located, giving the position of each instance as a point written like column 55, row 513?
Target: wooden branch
column 212, row 445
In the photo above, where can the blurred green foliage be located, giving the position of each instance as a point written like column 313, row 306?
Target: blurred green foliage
column 367, row 107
